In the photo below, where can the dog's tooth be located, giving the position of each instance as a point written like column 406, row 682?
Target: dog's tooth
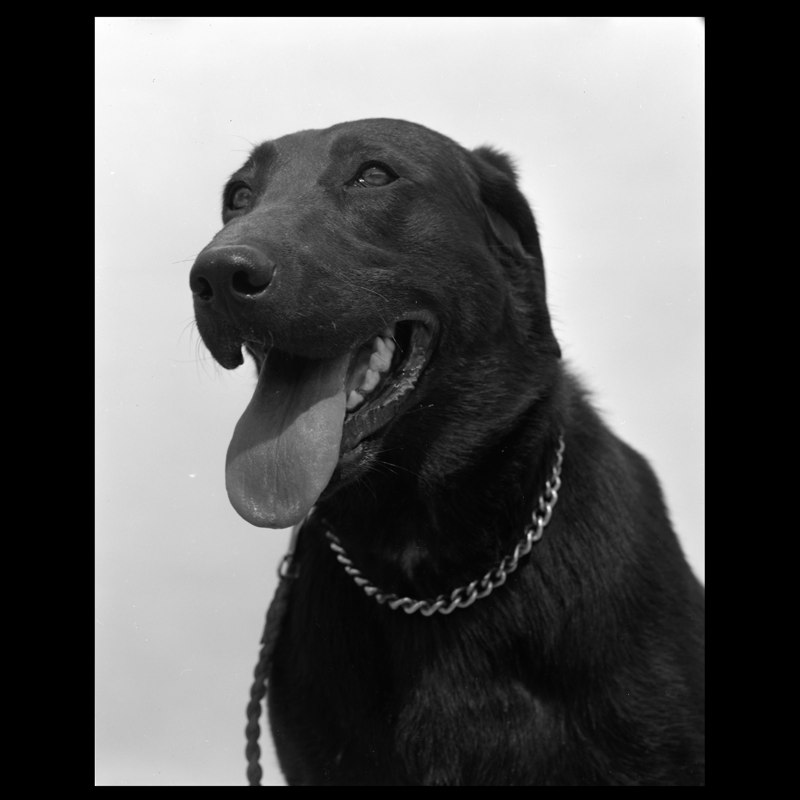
column 354, row 399
column 381, row 357
column 379, row 363
column 385, row 347
column 371, row 380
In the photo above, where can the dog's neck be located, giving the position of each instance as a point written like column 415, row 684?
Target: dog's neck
column 413, row 538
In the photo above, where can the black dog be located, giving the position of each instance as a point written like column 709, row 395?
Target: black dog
column 389, row 286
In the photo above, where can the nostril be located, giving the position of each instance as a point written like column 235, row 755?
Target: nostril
column 245, row 283
column 201, row 288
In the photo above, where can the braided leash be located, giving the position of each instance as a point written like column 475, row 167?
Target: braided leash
column 258, row 690
column 462, row 597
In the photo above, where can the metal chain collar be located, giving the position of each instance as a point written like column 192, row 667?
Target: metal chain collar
column 465, row 596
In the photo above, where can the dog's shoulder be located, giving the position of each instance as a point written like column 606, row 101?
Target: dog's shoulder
column 612, row 494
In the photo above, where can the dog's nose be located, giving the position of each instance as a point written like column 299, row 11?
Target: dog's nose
column 239, row 271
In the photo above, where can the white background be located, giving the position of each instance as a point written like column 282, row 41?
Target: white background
column 605, row 118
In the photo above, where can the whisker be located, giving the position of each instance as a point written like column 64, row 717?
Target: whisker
column 244, row 138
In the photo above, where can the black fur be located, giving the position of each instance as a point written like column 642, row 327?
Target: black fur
column 586, row 667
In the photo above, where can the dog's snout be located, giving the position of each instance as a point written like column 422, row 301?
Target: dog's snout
column 238, row 271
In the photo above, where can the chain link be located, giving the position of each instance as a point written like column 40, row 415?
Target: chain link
column 465, row 596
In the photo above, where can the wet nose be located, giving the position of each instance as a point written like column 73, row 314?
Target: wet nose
column 235, row 271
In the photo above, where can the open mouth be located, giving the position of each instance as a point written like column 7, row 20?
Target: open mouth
column 306, row 414
column 382, row 375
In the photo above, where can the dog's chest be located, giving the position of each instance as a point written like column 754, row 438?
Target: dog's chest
column 366, row 703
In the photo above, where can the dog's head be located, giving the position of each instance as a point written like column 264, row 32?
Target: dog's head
column 388, row 285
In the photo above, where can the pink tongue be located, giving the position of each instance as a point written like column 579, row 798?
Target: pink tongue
column 286, row 444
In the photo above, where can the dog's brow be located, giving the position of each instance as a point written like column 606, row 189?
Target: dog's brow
column 261, row 156
column 365, row 147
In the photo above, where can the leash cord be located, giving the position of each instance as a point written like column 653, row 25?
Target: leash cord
column 258, row 690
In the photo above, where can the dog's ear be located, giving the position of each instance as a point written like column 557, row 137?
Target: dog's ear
column 511, row 224
column 508, row 213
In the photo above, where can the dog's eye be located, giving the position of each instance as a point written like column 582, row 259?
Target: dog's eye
column 372, row 175
column 240, row 197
